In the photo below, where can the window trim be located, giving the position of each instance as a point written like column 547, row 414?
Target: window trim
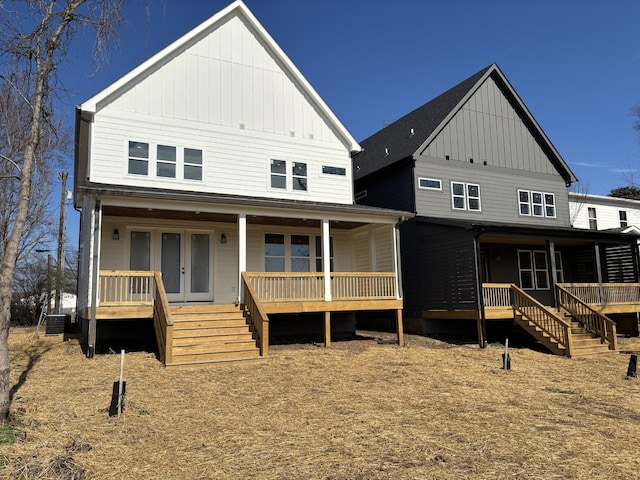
column 420, row 179
column 534, row 269
column 153, row 161
column 289, row 175
column 592, row 220
column 543, row 203
column 623, row 221
column 333, row 174
column 466, row 196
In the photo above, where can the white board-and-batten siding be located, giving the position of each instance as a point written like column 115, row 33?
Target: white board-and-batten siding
column 227, row 95
column 488, row 129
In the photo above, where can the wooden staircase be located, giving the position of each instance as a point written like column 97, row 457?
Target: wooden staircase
column 208, row 334
column 582, row 333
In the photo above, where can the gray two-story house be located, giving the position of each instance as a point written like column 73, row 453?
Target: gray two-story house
column 492, row 239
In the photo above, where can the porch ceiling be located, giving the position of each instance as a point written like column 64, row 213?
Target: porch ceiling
column 117, row 211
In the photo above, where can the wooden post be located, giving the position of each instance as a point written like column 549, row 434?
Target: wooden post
column 400, row 327
column 327, row 329
column 120, row 382
column 551, row 248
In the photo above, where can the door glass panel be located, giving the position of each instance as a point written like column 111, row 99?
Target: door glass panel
column 300, row 253
column 200, row 263
column 273, row 252
column 140, row 251
column 170, row 262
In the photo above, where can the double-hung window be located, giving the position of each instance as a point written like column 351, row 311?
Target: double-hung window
column 465, row 196
column 138, row 158
column 192, row 164
column 299, row 175
column 282, row 178
column 164, row 161
column 166, row 164
column 593, row 219
column 537, row 204
column 622, row 214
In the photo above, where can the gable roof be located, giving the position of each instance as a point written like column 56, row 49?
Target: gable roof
column 412, row 133
column 237, row 8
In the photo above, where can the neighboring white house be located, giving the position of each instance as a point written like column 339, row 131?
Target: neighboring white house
column 598, row 212
column 213, row 158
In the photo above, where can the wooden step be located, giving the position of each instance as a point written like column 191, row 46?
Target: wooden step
column 210, row 331
column 190, row 316
column 225, row 346
column 217, row 362
column 215, row 308
column 209, row 323
column 216, row 356
column 219, row 338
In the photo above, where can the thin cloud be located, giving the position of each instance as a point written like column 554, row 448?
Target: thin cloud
column 589, row 165
column 624, row 170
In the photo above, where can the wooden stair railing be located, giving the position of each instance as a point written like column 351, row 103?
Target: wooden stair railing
column 257, row 315
column 556, row 328
column 162, row 320
column 592, row 320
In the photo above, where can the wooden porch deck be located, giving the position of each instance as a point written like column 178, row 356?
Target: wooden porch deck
column 141, row 295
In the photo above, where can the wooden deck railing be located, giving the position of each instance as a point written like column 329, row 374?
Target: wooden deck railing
column 496, row 294
column 612, row 293
column 557, row 328
column 363, row 285
column 305, row 286
column 125, row 287
column 594, row 321
column 162, row 322
column 257, row 315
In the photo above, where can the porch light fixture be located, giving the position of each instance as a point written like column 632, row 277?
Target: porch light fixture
column 116, row 234
column 223, row 238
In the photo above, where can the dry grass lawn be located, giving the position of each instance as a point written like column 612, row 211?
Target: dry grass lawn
column 358, row 410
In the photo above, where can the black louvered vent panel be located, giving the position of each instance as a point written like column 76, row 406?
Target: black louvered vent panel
column 585, row 271
column 618, row 263
column 449, row 280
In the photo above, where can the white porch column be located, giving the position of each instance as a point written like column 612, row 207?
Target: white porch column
column 396, row 260
column 95, row 276
column 242, row 252
column 326, row 259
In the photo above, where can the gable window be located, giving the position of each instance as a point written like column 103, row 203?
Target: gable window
column 429, row 183
column 138, row 158
column 166, row 164
column 278, row 174
column 465, row 196
column 299, row 174
column 622, row 214
column 538, row 204
column 328, row 170
column 593, row 219
column 192, row 164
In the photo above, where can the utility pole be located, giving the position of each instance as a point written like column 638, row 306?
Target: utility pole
column 49, row 284
column 63, row 194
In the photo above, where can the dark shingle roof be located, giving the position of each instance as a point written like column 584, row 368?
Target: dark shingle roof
column 397, row 141
column 397, row 138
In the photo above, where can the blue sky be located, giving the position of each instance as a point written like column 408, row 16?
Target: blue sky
column 575, row 64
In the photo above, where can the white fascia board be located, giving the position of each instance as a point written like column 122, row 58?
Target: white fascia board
column 285, row 212
column 603, row 199
column 91, row 104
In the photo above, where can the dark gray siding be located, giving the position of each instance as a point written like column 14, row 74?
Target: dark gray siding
column 498, row 192
column 390, row 188
column 618, row 264
column 438, row 267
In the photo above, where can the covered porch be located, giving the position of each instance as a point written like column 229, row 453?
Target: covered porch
column 184, row 264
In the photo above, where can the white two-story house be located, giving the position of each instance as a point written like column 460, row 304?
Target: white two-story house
column 216, row 193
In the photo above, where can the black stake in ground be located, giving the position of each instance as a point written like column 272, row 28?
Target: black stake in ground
column 506, row 357
column 633, row 366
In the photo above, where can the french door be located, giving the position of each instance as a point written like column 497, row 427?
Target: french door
column 186, row 263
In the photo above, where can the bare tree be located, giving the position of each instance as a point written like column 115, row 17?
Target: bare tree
column 35, row 37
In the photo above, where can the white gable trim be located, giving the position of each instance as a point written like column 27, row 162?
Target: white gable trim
column 237, row 8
